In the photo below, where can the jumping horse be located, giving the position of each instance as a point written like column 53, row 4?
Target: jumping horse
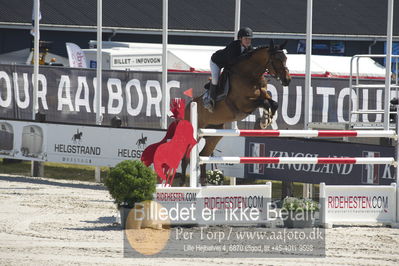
column 248, row 91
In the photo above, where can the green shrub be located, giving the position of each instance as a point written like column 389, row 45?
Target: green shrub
column 296, row 204
column 130, row 182
column 214, row 177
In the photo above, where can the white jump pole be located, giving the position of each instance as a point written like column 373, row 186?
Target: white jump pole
column 388, row 64
column 308, row 77
column 237, row 23
column 308, row 74
column 99, row 63
column 237, row 17
column 36, row 48
column 97, row 171
column 397, row 168
column 165, row 92
column 36, row 39
column 194, row 165
column 323, row 206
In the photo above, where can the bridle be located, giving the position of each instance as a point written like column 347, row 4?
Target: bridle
column 270, row 62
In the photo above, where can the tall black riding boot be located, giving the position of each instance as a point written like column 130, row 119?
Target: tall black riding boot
column 210, row 104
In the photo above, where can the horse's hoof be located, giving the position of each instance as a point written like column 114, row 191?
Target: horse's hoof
column 266, row 118
column 274, row 107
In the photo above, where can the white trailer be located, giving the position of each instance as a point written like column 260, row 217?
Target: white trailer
column 148, row 56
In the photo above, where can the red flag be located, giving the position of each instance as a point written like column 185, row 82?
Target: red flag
column 189, row 92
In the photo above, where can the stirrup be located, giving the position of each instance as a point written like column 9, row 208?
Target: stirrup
column 209, row 104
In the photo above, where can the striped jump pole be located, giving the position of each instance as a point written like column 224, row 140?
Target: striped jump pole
column 296, row 160
column 297, row 133
column 300, row 134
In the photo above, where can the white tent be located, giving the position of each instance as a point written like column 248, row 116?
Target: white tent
column 196, row 58
column 334, row 66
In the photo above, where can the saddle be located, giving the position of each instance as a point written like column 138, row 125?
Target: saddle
column 222, row 88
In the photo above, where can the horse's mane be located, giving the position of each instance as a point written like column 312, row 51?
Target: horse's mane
column 249, row 54
column 246, row 56
column 274, row 49
column 257, row 49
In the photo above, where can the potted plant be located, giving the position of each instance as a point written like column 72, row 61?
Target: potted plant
column 129, row 183
column 299, row 213
column 214, row 177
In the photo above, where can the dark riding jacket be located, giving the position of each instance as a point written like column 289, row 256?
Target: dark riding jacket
column 228, row 56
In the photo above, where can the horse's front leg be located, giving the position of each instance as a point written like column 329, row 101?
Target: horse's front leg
column 210, row 144
column 269, row 108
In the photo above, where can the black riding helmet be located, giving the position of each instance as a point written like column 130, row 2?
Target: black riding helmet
column 245, row 32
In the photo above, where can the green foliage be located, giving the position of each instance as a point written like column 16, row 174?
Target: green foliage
column 214, row 177
column 296, row 204
column 130, row 182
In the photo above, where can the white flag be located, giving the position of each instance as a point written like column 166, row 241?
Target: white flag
column 32, row 31
column 75, row 55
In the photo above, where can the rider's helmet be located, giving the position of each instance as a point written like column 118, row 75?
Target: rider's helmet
column 245, row 32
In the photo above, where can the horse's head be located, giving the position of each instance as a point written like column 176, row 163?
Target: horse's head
column 276, row 65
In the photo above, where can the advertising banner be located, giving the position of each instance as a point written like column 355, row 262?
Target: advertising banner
column 131, row 61
column 332, row 174
column 66, row 95
column 75, row 144
column 360, row 203
column 88, row 145
column 23, row 140
column 214, row 204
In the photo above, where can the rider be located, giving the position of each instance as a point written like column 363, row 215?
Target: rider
column 225, row 58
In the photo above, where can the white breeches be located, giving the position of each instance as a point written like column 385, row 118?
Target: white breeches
column 215, row 72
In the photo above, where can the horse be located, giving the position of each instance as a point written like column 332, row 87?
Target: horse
column 142, row 141
column 77, row 137
column 248, row 91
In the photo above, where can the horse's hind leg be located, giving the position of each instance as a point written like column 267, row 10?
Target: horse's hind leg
column 210, row 145
column 184, row 163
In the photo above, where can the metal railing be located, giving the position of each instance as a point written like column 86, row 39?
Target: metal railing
column 355, row 83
